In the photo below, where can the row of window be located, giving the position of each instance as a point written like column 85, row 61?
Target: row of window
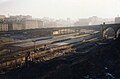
column 3, row 27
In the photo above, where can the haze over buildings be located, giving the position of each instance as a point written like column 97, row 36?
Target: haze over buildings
column 31, row 14
column 20, row 22
column 61, row 8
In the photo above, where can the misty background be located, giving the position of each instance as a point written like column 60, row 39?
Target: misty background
column 61, row 8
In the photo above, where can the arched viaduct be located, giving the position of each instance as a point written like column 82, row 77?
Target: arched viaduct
column 104, row 29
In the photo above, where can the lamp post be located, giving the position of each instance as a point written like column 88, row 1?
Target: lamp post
column 102, row 28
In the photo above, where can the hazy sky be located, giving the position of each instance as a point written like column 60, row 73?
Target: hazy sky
column 61, row 8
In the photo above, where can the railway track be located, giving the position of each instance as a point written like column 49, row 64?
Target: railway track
column 32, row 47
column 38, row 39
column 58, row 49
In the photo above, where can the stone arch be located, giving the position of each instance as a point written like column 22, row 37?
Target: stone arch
column 118, row 33
column 109, row 33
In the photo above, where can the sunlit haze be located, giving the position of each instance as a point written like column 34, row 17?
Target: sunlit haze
column 61, row 8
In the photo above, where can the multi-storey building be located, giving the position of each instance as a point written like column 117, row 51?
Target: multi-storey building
column 117, row 19
column 30, row 24
column 22, row 22
column 15, row 26
column 40, row 24
column 2, row 16
column 3, row 26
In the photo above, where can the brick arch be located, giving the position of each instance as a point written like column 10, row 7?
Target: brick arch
column 118, row 33
column 109, row 30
